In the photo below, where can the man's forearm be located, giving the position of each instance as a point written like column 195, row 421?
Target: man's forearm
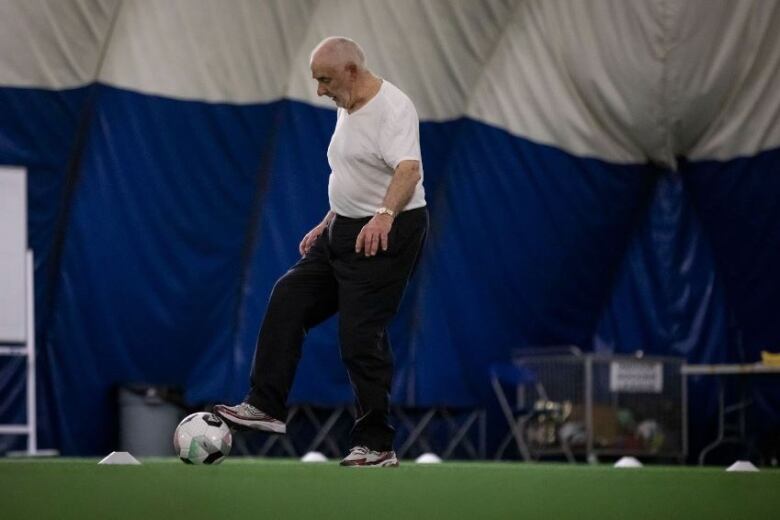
column 328, row 217
column 402, row 187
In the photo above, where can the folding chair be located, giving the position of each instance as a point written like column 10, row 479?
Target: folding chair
column 502, row 377
column 532, row 406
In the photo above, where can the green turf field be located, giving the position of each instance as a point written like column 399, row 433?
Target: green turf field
column 257, row 489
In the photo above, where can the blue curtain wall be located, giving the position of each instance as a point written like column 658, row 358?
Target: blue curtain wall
column 159, row 227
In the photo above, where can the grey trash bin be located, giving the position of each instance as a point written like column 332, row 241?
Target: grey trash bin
column 148, row 416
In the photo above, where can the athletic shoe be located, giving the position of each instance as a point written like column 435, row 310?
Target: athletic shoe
column 244, row 415
column 360, row 456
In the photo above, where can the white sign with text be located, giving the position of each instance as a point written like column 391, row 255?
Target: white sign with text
column 636, row 377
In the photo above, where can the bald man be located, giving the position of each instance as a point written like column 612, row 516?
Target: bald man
column 356, row 262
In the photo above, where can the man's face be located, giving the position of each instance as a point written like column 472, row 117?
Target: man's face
column 334, row 82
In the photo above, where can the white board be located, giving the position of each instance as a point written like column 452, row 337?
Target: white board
column 13, row 245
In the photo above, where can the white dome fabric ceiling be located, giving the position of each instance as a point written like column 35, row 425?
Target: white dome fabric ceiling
column 624, row 81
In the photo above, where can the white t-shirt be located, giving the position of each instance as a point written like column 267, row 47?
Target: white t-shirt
column 365, row 149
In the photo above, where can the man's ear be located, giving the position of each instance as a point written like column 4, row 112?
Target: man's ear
column 351, row 68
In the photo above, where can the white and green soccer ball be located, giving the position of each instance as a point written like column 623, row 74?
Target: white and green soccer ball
column 202, row 438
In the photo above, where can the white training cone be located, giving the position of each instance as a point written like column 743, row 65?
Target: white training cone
column 742, row 465
column 314, row 456
column 628, row 462
column 428, row 458
column 119, row 457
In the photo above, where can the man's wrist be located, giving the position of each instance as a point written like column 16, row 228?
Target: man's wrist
column 385, row 211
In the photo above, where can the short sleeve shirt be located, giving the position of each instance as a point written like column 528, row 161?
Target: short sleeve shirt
column 365, row 149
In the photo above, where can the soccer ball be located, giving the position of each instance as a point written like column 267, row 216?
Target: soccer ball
column 652, row 435
column 202, row 438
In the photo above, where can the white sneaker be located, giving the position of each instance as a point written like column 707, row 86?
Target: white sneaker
column 360, row 456
column 244, row 415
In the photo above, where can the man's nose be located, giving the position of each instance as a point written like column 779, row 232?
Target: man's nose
column 321, row 90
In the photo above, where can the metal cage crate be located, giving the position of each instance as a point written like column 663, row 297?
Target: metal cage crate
column 596, row 405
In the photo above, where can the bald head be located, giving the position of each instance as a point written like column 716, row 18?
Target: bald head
column 338, row 51
column 339, row 67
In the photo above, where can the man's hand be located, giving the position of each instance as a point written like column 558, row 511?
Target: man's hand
column 310, row 237
column 374, row 235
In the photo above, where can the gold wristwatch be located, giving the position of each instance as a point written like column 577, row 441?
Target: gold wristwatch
column 385, row 211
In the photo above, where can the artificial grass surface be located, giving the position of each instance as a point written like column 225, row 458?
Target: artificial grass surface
column 272, row 488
